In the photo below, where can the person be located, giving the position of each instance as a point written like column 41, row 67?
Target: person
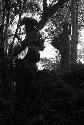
column 27, row 66
column 34, row 46
column 35, row 42
column 30, row 60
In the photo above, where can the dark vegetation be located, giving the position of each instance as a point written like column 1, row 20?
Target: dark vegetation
column 44, row 97
column 31, row 97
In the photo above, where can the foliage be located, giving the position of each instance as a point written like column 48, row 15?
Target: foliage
column 49, row 99
column 60, row 16
column 49, row 64
column 17, row 9
column 80, row 46
column 80, row 13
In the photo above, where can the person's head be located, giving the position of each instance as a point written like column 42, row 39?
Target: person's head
column 30, row 24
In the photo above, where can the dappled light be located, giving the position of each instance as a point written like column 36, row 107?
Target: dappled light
column 50, row 52
column 80, row 46
column 51, row 2
column 41, row 82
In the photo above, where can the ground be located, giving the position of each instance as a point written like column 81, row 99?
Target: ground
column 48, row 100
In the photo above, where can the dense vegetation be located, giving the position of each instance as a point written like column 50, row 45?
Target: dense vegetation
column 29, row 96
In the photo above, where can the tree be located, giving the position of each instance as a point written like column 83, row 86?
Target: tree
column 73, row 12
column 8, row 10
column 74, row 21
column 62, row 43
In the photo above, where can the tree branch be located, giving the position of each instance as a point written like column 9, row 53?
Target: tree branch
column 44, row 5
column 44, row 15
column 50, row 11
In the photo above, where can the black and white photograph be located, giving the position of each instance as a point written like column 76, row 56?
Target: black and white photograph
column 41, row 62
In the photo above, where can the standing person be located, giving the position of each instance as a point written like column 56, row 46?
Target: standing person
column 34, row 42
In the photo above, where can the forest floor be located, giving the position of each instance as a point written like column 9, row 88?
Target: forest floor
column 48, row 100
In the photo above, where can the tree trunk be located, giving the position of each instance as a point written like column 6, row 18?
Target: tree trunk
column 74, row 39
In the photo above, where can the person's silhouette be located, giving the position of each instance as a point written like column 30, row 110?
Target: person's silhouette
column 33, row 36
column 30, row 24
column 35, row 44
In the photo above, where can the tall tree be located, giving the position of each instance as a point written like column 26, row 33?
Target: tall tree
column 74, row 21
column 62, row 43
column 7, row 8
